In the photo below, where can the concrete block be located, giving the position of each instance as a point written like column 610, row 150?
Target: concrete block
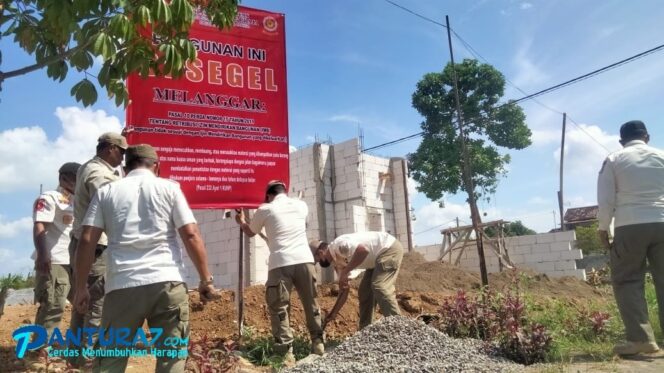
column 560, row 246
column 565, row 265
column 522, row 250
column 565, row 236
column 540, row 248
column 571, row 255
column 545, row 267
column 526, row 240
column 546, row 238
column 518, row 258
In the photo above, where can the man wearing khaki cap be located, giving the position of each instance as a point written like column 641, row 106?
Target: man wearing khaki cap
column 142, row 214
column 100, row 170
column 290, row 264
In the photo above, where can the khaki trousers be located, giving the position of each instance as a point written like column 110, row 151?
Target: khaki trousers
column 92, row 318
column 377, row 285
column 164, row 305
column 51, row 292
column 280, row 283
column 633, row 245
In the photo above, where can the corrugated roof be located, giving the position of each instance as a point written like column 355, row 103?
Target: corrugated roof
column 579, row 214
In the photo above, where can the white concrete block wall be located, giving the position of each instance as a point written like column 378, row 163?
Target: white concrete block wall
column 553, row 254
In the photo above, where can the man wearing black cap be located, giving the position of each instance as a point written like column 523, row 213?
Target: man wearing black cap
column 53, row 215
column 291, row 264
column 100, row 170
column 630, row 191
column 142, row 214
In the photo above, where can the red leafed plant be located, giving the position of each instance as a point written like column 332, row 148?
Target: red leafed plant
column 211, row 356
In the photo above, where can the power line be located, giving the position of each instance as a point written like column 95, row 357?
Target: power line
column 415, row 13
column 588, row 134
column 546, row 90
column 436, row 227
column 527, row 96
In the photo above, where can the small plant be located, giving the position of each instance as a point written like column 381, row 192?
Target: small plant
column 211, row 356
column 499, row 320
column 13, row 281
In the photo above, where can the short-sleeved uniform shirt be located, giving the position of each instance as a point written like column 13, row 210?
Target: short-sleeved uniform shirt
column 90, row 177
column 344, row 246
column 284, row 220
column 55, row 209
column 141, row 215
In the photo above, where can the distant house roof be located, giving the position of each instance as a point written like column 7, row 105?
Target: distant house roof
column 581, row 214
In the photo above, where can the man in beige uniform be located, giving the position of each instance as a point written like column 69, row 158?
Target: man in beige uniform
column 100, row 170
column 630, row 189
column 143, row 214
column 380, row 254
column 290, row 264
column 53, row 217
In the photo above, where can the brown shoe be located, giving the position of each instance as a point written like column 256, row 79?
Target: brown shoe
column 633, row 348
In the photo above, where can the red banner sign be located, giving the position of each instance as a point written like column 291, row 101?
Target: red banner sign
column 221, row 130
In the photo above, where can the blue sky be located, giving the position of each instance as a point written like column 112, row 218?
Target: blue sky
column 356, row 63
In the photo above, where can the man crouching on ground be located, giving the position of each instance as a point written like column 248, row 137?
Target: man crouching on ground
column 380, row 254
column 141, row 215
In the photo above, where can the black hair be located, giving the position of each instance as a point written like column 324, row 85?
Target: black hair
column 324, row 263
column 276, row 189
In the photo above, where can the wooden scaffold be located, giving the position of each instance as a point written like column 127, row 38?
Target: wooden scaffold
column 459, row 238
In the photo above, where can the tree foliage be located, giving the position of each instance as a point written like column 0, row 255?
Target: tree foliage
column 515, row 228
column 438, row 162
column 587, row 239
column 70, row 34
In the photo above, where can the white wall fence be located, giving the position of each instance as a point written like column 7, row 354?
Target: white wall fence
column 553, row 254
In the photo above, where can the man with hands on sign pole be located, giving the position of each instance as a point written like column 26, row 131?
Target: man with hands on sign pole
column 380, row 254
column 142, row 215
column 290, row 264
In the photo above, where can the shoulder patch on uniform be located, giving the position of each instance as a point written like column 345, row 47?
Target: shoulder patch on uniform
column 40, row 204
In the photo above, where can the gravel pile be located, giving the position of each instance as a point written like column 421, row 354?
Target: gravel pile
column 400, row 344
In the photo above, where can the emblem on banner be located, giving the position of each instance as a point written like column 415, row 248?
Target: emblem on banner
column 270, row 24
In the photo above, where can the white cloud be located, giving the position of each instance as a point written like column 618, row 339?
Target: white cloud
column 544, row 137
column 344, row 118
column 586, row 147
column 528, row 73
column 30, row 158
column 412, row 186
column 9, row 229
column 291, row 149
column 12, row 262
column 525, row 5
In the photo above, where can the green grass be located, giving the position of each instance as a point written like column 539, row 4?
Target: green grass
column 573, row 339
column 16, row 282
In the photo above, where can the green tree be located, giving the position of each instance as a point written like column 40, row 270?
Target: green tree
column 437, row 165
column 64, row 34
column 515, row 228
column 587, row 239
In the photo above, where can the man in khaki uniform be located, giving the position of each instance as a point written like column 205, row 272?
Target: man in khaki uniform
column 142, row 215
column 290, row 264
column 630, row 191
column 380, row 254
column 53, row 216
column 100, row 170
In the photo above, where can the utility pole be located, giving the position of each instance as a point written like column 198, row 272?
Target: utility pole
column 560, row 190
column 457, row 221
column 467, row 175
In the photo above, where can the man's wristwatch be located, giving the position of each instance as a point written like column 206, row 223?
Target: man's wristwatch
column 207, row 282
